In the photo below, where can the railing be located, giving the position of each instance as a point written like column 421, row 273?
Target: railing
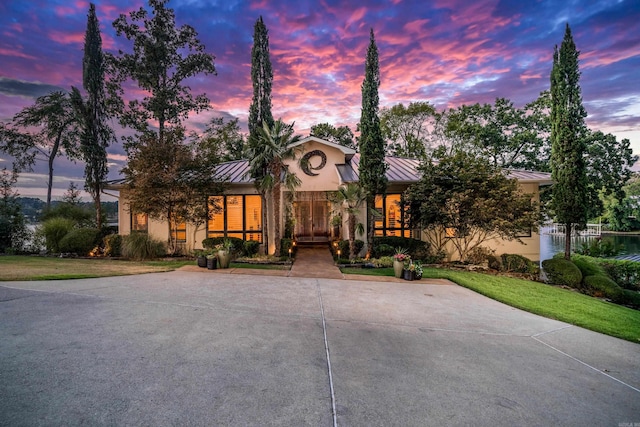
column 559, row 229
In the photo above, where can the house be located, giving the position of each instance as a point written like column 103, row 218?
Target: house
column 308, row 211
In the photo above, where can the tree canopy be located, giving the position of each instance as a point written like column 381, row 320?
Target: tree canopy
column 338, row 135
column 407, row 129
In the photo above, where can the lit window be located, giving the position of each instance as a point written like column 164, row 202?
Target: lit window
column 140, row 222
column 178, row 230
column 238, row 216
column 391, row 219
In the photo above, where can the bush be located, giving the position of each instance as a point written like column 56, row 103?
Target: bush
column 602, row 286
column 53, row 230
column 478, row 255
column 384, row 250
column 416, row 248
column 140, row 246
column 515, row 263
column 113, row 245
column 625, row 273
column 588, row 266
column 562, row 272
column 343, row 245
column 630, row 298
column 285, row 244
column 250, row 248
column 80, row 241
column 212, row 242
column 383, row 262
column 599, row 247
column 494, row 262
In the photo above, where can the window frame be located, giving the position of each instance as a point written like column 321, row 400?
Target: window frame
column 244, row 233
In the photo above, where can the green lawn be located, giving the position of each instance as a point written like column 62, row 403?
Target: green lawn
column 548, row 301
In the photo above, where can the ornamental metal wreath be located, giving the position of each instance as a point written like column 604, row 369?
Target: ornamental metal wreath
column 306, row 166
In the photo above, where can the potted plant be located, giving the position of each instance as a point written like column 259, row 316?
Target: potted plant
column 201, row 258
column 212, row 261
column 224, row 253
column 399, row 258
column 419, row 269
column 409, row 271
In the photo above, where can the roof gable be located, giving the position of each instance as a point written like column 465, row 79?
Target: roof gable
column 348, row 152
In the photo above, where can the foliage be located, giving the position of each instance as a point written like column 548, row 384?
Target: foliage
column 494, row 262
column 13, row 230
column 568, row 145
column 141, row 246
column 95, row 133
column 599, row 248
column 347, row 247
column 267, row 162
column 285, row 245
column 630, row 298
column 44, row 130
column 405, row 129
column 170, row 181
column 113, row 245
column 234, row 243
column 416, row 248
column 80, row 241
column 71, row 208
column 372, row 168
column 401, row 255
column 221, row 141
column 350, row 197
column 600, row 285
column 53, row 230
column 470, row 201
column 250, row 248
column 163, row 58
column 341, row 135
column 625, row 273
column 518, row 264
column 382, row 262
column 478, row 255
column 588, row 266
column 562, row 272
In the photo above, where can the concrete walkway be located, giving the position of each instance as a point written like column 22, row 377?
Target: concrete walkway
column 315, row 263
column 187, row 348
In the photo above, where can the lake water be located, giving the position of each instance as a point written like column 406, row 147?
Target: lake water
column 552, row 244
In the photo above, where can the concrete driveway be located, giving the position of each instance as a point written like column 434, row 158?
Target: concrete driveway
column 191, row 348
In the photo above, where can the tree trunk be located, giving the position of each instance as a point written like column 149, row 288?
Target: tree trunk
column 567, row 241
column 276, row 214
column 352, row 236
column 52, row 156
column 98, row 205
column 265, row 223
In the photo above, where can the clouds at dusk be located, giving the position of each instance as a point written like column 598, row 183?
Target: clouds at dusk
column 445, row 52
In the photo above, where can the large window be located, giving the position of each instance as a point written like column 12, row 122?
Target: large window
column 139, row 222
column 240, row 216
column 391, row 220
column 178, row 230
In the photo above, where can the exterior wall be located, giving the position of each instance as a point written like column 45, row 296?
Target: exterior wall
column 327, row 178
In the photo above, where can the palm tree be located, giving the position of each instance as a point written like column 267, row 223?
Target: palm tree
column 275, row 147
column 350, row 197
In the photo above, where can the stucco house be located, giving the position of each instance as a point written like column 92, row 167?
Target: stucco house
column 326, row 166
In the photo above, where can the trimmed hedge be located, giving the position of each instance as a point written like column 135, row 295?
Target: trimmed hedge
column 211, row 242
column 515, row 263
column 80, row 241
column 588, row 266
column 631, row 298
column 625, row 273
column 250, row 247
column 345, row 251
column 602, row 286
column 416, row 248
column 562, row 272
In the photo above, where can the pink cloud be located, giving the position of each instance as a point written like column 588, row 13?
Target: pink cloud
column 66, row 37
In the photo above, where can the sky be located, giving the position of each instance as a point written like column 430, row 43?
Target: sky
column 445, row 52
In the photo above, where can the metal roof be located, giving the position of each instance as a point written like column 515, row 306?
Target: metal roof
column 234, row 172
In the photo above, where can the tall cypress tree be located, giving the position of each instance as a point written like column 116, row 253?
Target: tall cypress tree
column 95, row 132
column 260, row 109
column 372, row 168
column 568, row 143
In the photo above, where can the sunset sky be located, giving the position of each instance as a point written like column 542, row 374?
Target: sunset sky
column 445, row 52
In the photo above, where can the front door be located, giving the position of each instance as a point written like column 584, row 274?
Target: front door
column 312, row 216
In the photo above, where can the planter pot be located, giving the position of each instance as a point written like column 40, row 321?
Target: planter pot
column 212, row 263
column 202, row 261
column 409, row 275
column 398, row 266
column 225, row 258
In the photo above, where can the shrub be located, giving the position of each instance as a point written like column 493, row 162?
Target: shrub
column 631, row 298
column 250, row 248
column 416, row 248
column 113, row 245
column 140, row 246
column 600, row 285
column 53, row 230
column 625, row 273
column 494, row 262
column 212, row 242
column 478, row 255
column 343, row 245
column 599, row 247
column 382, row 262
column 515, row 263
column 384, row 250
column 285, row 244
column 562, row 272
column 588, row 266
column 80, row 241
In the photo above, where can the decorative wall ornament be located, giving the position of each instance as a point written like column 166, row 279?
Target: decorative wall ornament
column 306, row 165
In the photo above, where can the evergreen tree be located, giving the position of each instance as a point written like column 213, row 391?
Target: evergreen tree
column 568, row 146
column 13, row 229
column 95, row 133
column 372, row 168
column 260, row 109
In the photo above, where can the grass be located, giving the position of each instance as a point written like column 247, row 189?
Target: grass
column 538, row 298
column 47, row 268
column 368, row 271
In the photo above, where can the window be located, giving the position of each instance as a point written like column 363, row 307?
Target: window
column 178, row 230
column 392, row 219
column 524, row 232
column 140, row 222
column 239, row 216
